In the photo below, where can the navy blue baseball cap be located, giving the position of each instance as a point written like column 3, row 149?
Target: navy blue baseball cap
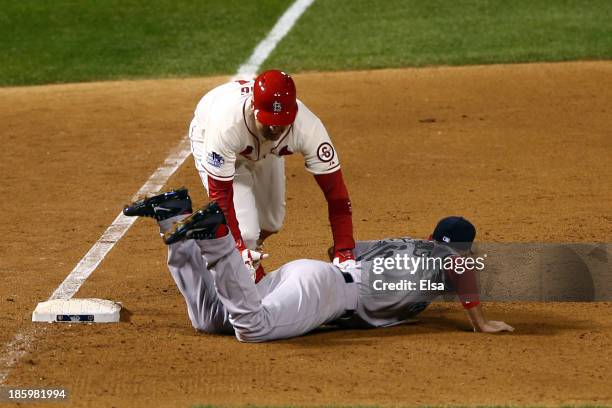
column 456, row 232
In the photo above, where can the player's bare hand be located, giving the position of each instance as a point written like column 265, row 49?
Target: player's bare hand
column 493, row 326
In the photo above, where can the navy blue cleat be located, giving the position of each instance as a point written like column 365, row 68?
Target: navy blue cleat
column 202, row 224
column 161, row 206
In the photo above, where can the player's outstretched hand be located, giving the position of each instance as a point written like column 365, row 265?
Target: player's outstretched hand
column 493, row 326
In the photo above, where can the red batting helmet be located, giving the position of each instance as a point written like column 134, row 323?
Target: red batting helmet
column 274, row 98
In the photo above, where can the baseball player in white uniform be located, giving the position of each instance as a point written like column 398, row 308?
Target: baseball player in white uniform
column 300, row 296
column 239, row 134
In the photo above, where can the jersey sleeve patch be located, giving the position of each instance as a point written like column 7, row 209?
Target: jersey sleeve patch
column 215, row 160
column 326, row 152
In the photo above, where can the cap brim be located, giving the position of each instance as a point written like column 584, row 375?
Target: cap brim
column 276, row 118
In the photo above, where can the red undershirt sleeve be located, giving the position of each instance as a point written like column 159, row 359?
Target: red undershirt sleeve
column 223, row 193
column 338, row 208
column 466, row 287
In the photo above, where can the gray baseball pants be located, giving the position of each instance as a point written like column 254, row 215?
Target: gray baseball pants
column 221, row 296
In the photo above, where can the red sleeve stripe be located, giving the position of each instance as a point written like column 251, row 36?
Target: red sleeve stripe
column 217, row 177
column 328, row 171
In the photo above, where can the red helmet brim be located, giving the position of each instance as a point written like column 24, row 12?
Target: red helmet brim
column 284, row 118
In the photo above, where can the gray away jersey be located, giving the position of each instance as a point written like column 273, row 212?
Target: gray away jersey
column 396, row 283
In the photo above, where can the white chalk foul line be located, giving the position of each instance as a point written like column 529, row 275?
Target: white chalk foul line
column 21, row 343
column 120, row 225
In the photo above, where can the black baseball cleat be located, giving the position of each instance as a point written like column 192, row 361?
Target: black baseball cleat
column 202, row 224
column 161, row 206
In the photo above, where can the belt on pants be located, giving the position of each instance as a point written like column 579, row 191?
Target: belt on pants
column 348, row 278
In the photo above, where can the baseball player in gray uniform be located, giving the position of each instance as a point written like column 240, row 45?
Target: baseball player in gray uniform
column 386, row 286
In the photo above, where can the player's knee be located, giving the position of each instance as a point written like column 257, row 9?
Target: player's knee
column 273, row 221
column 211, row 323
column 205, row 326
column 250, row 336
column 210, row 327
column 254, row 329
column 250, row 237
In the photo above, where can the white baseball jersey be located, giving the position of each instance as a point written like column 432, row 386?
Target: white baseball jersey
column 223, row 135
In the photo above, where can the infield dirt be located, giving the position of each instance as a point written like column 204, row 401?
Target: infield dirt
column 522, row 150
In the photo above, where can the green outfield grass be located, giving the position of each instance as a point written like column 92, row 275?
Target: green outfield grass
column 48, row 41
column 354, row 34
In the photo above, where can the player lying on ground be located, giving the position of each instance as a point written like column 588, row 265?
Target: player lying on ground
column 222, row 296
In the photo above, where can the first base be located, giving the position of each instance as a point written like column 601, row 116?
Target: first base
column 77, row 311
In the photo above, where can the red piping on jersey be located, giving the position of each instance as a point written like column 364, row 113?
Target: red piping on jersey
column 255, row 135
column 335, row 167
column 282, row 138
column 213, row 175
column 247, row 151
column 285, row 151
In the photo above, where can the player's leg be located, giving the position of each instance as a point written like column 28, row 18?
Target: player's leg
column 185, row 262
column 301, row 296
column 244, row 204
column 269, row 189
column 195, row 282
column 292, row 301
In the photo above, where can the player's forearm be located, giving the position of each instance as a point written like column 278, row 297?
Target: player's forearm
column 465, row 285
column 342, row 231
column 476, row 317
column 223, row 193
column 339, row 208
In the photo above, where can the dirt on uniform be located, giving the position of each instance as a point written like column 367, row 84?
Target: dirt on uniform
column 524, row 151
